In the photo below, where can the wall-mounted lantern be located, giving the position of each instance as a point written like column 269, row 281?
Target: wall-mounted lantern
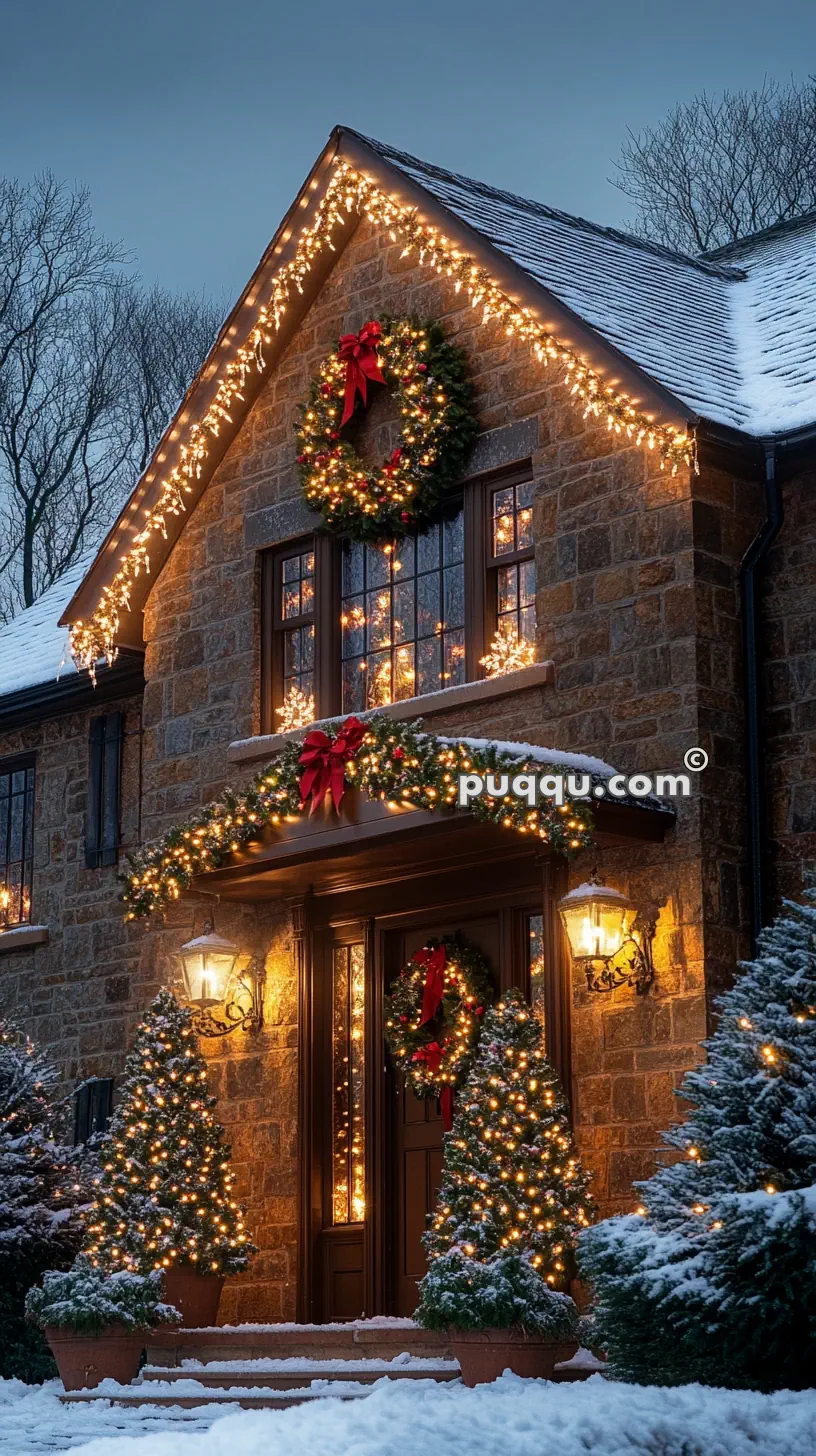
column 210, row 980
column 609, row 937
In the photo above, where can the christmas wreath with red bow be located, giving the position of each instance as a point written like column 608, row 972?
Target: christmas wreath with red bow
column 433, row 1017
column 398, row 495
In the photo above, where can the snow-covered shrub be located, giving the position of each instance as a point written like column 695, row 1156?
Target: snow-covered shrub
column 716, row 1281
column 462, row 1293
column 87, row 1301
column 41, row 1195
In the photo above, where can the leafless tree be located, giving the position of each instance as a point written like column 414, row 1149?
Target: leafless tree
column 718, row 168
column 91, row 366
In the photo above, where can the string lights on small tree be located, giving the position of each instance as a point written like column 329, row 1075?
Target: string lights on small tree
column 512, row 1180
column 507, row 653
column 348, row 192
column 298, row 710
column 165, row 1196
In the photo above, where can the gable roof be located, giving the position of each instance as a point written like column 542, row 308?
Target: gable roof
column 683, row 338
column 732, row 335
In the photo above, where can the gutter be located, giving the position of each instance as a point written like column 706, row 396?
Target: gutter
column 751, row 563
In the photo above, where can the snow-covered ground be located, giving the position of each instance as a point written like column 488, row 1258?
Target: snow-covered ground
column 510, row 1418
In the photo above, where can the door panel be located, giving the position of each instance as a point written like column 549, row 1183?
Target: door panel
column 416, row 1162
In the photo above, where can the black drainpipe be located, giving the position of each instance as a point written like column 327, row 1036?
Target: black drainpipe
column 754, row 556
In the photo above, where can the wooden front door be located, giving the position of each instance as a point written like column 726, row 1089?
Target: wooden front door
column 415, row 1169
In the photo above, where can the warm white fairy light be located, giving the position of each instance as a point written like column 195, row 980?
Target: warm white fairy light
column 297, row 711
column 350, row 191
column 508, row 652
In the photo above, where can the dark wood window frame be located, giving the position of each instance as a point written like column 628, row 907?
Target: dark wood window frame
column 102, row 829
column 481, row 574
column 9, row 767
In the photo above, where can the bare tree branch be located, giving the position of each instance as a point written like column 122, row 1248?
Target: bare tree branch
column 91, row 367
column 718, row 168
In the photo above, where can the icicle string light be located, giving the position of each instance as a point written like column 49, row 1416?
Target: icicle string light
column 349, row 192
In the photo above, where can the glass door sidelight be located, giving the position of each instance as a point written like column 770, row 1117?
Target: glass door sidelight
column 341, row 1076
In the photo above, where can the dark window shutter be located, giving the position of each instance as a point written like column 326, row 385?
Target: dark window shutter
column 104, row 774
column 93, row 1105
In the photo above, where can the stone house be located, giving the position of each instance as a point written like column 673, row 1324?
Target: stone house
column 663, row 566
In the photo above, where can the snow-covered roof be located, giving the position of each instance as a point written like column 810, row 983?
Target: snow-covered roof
column 732, row 335
column 33, row 648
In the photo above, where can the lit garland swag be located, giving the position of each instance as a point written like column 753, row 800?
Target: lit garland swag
column 395, row 762
column 349, row 192
column 427, row 376
column 433, row 1015
column 164, row 1196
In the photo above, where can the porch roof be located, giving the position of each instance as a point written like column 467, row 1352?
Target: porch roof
column 374, row 843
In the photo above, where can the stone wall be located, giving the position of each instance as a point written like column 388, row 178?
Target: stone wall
column 78, row 994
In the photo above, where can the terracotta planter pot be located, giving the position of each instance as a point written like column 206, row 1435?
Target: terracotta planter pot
column 484, row 1355
column 83, row 1360
column 195, row 1296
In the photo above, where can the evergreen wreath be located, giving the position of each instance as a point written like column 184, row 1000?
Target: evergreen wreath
column 433, row 1017
column 428, row 377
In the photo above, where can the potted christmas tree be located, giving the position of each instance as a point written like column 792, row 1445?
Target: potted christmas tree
column 714, row 1278
column 164, row 1200
column 512, row 1202
column 41, row 1195
column 96, row 1323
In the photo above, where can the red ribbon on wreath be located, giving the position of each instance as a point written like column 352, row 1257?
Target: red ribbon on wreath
column 435, row 961
column 432, row 1055
column 359, row 354
column 324, row 763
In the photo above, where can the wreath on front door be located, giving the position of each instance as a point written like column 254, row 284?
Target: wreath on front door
column 428, row 378
column 433, row 1017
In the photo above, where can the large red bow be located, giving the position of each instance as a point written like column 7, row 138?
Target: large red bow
column 359, row 353
column 435, row 961
column 324, row 763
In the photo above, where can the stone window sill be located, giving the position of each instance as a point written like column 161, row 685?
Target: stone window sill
column 248, row 750
column 22, row 937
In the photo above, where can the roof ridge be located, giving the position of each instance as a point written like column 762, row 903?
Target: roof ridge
column 774, row 230
column 702, row 264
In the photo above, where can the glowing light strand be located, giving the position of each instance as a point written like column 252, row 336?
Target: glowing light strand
column 348, row 192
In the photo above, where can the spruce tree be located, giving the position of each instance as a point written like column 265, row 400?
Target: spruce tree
column 164, row 1197
column 40, row 1194
column 715, row 1279
column 512, row 1181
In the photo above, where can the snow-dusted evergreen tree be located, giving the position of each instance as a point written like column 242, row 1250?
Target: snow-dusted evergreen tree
column 40, row 1191
column 715, row 1278
column 512, row 1183
column 165, row 1195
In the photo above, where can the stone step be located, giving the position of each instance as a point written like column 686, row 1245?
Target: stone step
column 130, row 1397
column 298, row 1374
column 354, row 1341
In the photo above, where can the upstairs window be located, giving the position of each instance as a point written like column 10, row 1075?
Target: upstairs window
column 403, row 617
column 348, row 626
column 16, row 840
column 511, row 561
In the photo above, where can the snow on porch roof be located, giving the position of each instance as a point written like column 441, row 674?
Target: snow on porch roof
column 732, row 335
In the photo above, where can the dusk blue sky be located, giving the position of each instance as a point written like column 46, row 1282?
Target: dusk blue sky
column 194, row 122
